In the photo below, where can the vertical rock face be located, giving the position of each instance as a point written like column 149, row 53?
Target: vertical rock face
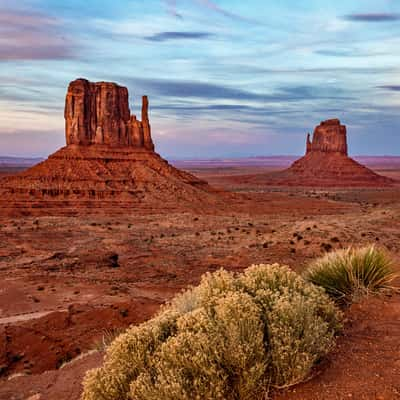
column 148, row 143
column 329, row 137
column 98, row 113
column 308, row 144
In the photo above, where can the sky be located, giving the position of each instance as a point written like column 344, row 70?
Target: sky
column 225, row 78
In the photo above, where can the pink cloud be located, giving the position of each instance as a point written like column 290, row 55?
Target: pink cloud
column 33, row 36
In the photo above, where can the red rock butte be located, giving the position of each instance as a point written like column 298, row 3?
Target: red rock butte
column 109, row 162
column 327, row 164
column 98, row 113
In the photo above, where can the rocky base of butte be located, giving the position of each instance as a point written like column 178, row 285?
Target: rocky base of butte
column 109, row 161
column 327, row 164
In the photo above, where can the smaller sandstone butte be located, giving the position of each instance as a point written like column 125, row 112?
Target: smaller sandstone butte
column 98, row 113
column 327, row 164
column 329, row 137
column 109, row 162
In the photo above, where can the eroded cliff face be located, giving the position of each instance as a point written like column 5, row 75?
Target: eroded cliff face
column 329, row 137
column 98, row 113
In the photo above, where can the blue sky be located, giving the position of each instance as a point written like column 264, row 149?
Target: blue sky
column 224, row 77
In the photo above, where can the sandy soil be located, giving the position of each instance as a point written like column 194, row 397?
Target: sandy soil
column 69, row 283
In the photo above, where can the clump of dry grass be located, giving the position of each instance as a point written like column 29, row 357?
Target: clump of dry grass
column 230, row 338
column 348, row 274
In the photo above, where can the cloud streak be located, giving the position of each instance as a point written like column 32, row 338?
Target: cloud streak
column 172, row 10
column 209, row 91
column 32, row 36
column 373, row 17
column 211, row 5
column 393, row 88
column 166, row 36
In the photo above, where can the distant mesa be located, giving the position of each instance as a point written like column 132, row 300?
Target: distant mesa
column 327, row 164
column 109, row 162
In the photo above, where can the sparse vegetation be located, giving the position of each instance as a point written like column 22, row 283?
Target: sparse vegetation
column 347, row 274
column 231, row 337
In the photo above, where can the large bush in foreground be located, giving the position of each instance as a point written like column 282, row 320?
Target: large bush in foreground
column 348, row 274
column 231, row 337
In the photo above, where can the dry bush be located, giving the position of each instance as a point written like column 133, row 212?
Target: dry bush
column 218, row 353
column 229, row 338
column 349, row 274
column 127, row 357
column 300, row 321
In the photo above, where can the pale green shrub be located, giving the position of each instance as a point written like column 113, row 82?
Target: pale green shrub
column 228, row 338
column 127, row 357
column 212, row 287
column 348, row 274
column 300, row 321
column 218, row 353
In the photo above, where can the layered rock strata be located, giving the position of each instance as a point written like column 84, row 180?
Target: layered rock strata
column 329, row 137
column 98, row 113
column 108, row 163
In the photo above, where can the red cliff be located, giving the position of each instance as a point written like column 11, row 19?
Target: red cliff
column 98, row 113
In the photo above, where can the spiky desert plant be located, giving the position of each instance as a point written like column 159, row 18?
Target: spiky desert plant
column 348, row 274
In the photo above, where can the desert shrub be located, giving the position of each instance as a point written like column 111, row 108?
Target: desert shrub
column 126, row 358
column 229, row 338
column 347, row 274
column 218, row 353
column 300, row 321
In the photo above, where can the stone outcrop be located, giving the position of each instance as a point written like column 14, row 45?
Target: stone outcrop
column 329, row 137
column 327, row 164
column 108, row 163
column 98, row 113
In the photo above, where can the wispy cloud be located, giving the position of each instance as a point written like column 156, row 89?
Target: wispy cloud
column 32, row 36
column 165, row 36
column 172, row 10
column 373, row 17
column 210, row 92
column 348, row 53
column 216, row 8
column 393, row 88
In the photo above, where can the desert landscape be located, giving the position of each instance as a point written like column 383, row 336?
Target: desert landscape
column 199, row 200
column 99, row 235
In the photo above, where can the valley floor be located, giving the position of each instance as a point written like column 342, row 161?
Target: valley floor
column 69, row 283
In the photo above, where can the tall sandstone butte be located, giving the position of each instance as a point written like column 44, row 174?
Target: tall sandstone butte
column 327, row 164
column 108, row 162
column 98, row 113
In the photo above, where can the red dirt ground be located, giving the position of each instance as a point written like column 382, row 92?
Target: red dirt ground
column 66, row 268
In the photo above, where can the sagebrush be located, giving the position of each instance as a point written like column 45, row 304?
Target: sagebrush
column 230, row 338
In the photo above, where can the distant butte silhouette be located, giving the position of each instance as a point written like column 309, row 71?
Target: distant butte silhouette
column 327, row 164
column 109, row 161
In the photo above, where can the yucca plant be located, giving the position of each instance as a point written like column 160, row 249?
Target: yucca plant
column 347, row 274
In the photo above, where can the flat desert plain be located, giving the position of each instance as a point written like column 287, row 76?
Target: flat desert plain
column 68, row 284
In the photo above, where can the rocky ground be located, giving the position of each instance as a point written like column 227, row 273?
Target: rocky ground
column 68, row 284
